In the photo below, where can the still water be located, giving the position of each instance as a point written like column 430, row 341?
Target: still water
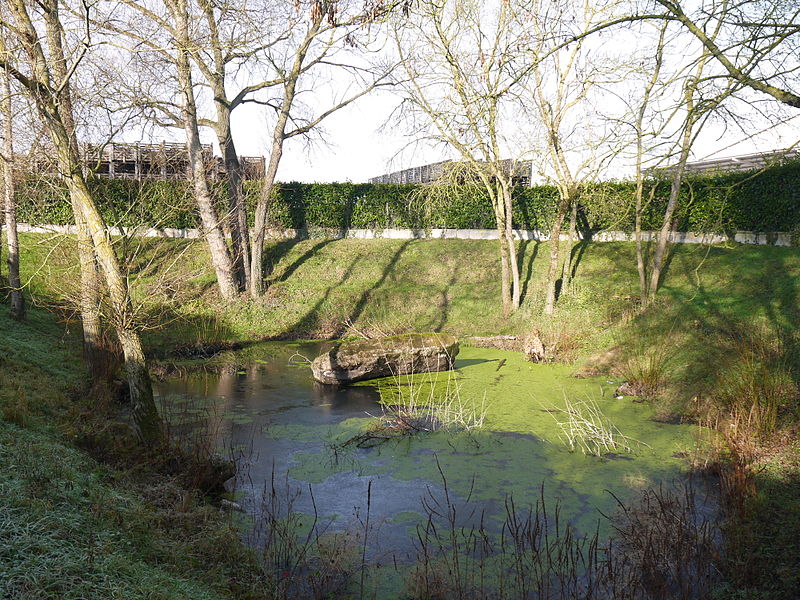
column 290, row 436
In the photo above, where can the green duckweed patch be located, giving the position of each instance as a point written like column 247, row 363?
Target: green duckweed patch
column 519, row 452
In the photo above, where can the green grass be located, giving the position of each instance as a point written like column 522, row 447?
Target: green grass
column 69, row 532
column 40, row 366
column 73, row 528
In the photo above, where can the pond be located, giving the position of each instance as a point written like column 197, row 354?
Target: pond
column 294, row 439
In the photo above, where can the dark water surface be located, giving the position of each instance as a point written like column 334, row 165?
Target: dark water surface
column 288, row 433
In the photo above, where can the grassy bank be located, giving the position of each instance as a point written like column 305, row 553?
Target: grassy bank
column 720, row 343
column 72, row 527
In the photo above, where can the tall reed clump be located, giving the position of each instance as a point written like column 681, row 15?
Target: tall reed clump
column 300, row 556
column 421, row 405
column 758, row 382
column 192, row 450
column 425, row 406
column 663, row 548
column 647, row 371
column 584, row 427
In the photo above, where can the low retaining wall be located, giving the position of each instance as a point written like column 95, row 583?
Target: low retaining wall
column 677, row 237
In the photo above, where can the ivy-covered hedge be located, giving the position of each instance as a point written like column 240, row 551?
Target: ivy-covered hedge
column 755, row 201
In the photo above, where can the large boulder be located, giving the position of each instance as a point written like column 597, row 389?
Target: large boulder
column 382, row 357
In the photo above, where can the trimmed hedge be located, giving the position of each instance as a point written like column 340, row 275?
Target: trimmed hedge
column 750, row 201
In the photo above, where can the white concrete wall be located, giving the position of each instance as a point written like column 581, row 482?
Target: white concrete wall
column 678, row 237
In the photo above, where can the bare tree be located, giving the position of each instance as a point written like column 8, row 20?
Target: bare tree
column 9, row 196
column 756, row 41
column 322, row 31
column 462, row 65
column 647, row 122
column 90, row 295
column 220, row 55
column 49, row 94
column 565, row 78
column 239, row 52
column 158, row 40
column 212, row 223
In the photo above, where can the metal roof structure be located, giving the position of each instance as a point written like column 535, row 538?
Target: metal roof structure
column 742, row 162
column 166, row 161
column 435, row 171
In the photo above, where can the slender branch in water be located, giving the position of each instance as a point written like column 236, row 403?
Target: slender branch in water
column 587, row 428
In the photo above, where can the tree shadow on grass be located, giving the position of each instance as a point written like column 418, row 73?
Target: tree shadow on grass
column 279, row 251
column 309, row 322
column 361, row 303
column 528, row 266
column 143, row 257
column 444, row 304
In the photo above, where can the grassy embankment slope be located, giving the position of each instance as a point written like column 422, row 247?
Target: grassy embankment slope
column 71, row 527
column 721, row 337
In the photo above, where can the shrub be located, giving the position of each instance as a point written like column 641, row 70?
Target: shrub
column 751, row 201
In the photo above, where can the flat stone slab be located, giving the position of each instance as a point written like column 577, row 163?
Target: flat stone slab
column 359, row 360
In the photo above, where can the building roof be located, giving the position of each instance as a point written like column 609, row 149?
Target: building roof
column 434, row 171
column 742, row 162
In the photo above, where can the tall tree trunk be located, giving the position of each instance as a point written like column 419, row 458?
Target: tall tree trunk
column 505, row 275
column 237, row 211
column 641, row 264
column 659, row 255
column 240, row 236
column 52, row 102
column 9, row 200
column 566, row 271
column 89, row 302
column 89, row 295
column 212, row 226
column 516, row 288
column 263, row 207
column 555, row 246
column 145, row 415
column 500, row 216
column 279, row 136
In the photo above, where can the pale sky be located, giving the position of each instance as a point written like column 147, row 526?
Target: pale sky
column 358, row 148
column 358, row 143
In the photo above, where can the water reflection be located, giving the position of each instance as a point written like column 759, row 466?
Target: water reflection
column 251, row 400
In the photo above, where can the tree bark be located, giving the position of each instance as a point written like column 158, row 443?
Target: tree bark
column 89, row 301
column 237, row 211
column 566, row 271
column 687, row 136
column 89, row 294
column 505, row 275
column 240, row 236
column 264, row 205
column 9, row 200
column 516, row 288
column 637, row 236
column 279, row 136
column 212, row 226
column 53, row 106
column 555, row 247
column 639, row 126
column 501, row 220
column 145, row 415
column 666, row 226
